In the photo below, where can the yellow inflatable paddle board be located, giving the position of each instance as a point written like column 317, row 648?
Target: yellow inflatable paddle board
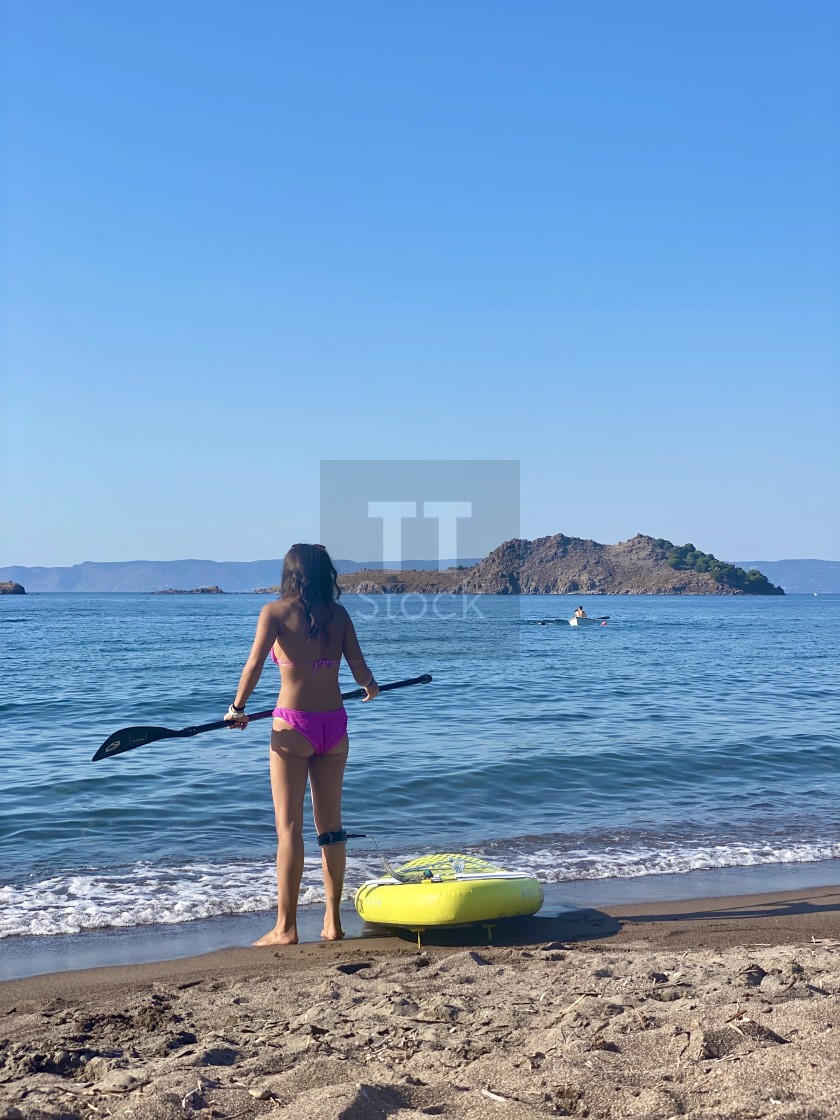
column 447, row 890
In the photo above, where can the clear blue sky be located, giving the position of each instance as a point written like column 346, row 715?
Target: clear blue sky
column 240, row 238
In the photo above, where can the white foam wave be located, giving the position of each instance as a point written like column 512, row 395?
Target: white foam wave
column 145, row 894
column 552, row 866
column 136, row 896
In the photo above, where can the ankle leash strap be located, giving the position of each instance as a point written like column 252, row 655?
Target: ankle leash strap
column 339, row 837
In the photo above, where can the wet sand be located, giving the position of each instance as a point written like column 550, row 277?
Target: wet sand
column 708, row 1008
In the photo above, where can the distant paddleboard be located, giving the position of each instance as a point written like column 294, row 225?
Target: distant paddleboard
column 575, row 621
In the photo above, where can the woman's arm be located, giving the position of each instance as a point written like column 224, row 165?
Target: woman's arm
column 251, row 673
column 354, row 657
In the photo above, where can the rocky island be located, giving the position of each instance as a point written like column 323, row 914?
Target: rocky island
column 11, row 588
column 193, row 591
column 561, row 565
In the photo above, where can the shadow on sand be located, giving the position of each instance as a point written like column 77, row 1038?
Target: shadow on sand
column 572, row 925
column 776, row 909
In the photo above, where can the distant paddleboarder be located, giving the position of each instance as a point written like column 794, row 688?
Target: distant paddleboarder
column 307, row 633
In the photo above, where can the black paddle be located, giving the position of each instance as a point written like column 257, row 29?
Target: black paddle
column 127, row 738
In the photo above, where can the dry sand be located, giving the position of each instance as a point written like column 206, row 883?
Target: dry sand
column 726, row 1008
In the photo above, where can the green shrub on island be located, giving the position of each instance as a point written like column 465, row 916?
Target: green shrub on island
column 687, row 558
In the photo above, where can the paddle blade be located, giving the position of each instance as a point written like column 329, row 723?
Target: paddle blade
column 130, row 737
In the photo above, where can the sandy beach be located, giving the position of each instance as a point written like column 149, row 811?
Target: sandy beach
column 709, row 1008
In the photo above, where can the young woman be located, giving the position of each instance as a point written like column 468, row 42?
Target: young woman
column 307, row 633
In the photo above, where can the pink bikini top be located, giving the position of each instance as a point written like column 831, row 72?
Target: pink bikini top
column 321, row 663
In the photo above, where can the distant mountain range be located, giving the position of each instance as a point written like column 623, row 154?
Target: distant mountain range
column 161, row 575
column 795, row 576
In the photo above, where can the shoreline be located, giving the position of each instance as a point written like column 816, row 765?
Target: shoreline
column 805, row 916
column 31, row 956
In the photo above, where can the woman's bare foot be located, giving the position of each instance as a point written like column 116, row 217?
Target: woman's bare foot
column 332, row 930
column 278, row 936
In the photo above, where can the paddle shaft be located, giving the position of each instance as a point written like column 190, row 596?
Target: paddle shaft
column 127, row 738
column 356, row 694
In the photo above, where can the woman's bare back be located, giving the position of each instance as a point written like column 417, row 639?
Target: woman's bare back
column 309, row 666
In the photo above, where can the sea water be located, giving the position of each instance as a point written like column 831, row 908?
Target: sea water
column 686, row 734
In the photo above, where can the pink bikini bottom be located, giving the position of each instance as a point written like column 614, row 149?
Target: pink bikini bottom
column 324, row 730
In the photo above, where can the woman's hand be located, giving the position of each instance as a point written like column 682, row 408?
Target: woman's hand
column 371, row 691
column 238, row 719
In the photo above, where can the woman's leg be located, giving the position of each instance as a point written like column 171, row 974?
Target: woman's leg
column 326, row 777
column 289, row 762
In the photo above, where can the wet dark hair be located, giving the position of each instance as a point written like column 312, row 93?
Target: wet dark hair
column 311, row 580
